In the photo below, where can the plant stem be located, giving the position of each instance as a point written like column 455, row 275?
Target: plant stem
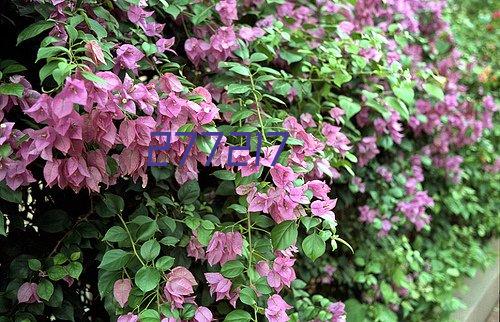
column 131, row 240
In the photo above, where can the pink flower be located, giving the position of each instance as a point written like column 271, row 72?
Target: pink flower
column 346, row 27
column 195, row 249
column 179, row 286
column 282, row 272
column 74, row 91
column 170, row 83
column 137, row 14
column 203, row 314
column 164, row 44
column 130, row 317
column 366, row 214
column 283, row 177
column 335, row 138
column 127, row 57
column 338, row 311
column 251, row 34
column 262, row 267
column 306, row 120
column 218, row 285
column 367, row 150
column 94, row 52
column 27, row 293
column 336, row 113
column 224, row 247
column 276, row 309
column 227, row 11
column 196, row 50
column 121, row 291
column 323, row 209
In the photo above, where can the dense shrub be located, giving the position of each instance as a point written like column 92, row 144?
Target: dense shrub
column 380, row 190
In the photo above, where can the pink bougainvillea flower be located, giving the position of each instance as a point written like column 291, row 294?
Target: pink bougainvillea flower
column 227, row 11
column 283, row 177
column 250, row 34
column 121, row 291
column 324, row 208
column 196, row 50
column 346, row 27
column 338, row 311
column 203, row 314
column 218, row 285
column 27, row 293
column 224, row 247
column 179, row 286
column 137, row 14
column 164, row 44
column 195, row 249
column 127, row 57
column 282, row 272
column 130, row 317
column 276, row 309
column 94, row 52
column 262, row 267
column 170, row 83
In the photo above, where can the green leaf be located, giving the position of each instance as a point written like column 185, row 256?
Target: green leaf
column 238, row 316
column 247, row 296
column 34, row 264
column 257, row 57
column 12, row 89
column 169, row 241
column 341, row 78
column 189, row 192
column 240, row 69
column 10, row 195
column 147, row 278
column 149, row 49
column 5, row 150
column 115, row 234
column 241, row 115
column 405, row 92
column 165, row 262
column 45, row 289
column 114, row 260
column 313, row 246
column 47, row 69
column 232, row 269
column 290, row 57
column 398, row 106
column 149, row 315
column 150, row 250
column 2, row 225
column 238, row 89
column 114, row 203
column 225, row 175
column 201, row 13
column 57, row 273
column 350, row 107
column 238, row 208
column 34, row 30
column 46, row 52
column 13, row 69
column 355, row 311
column 96, row 27
column 310, row 222
column 74, row 269
column 93, row 77
column 204, row 144
column 434, row 90
column 284, row 234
